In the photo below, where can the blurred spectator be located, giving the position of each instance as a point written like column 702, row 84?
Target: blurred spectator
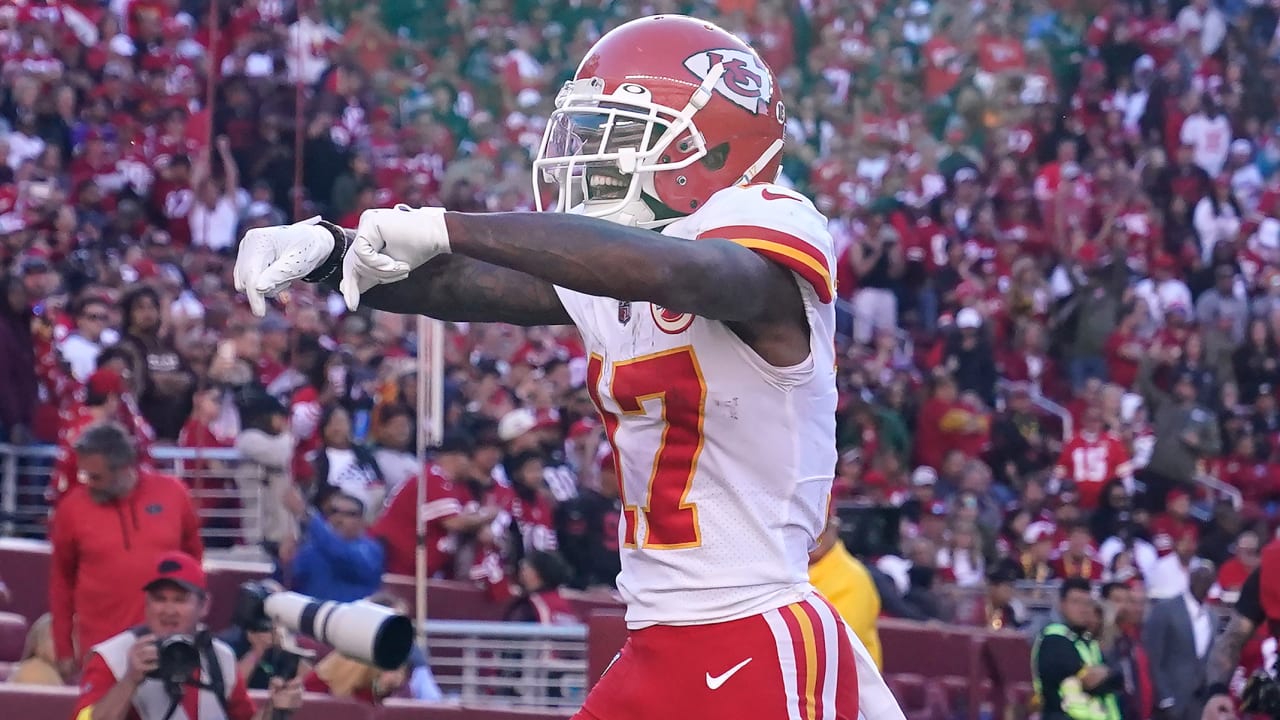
column 845, row 582
column 1236, row 570
column 262, row 477
column 17, row 363
column 38, row 664
column 1092, row 459
column 448, row 520
column 107, row 535
column 395, row 451
column 106, row 399
column 345, row 466
column 1178, row 635
column 163, row 382
column 587, row 530
column 1186, row 432
column 93, row 332
column 337, row 559
column 215, row 211
column 1078, row 559
column 877, row 262
column 999, row 609
column 541, row 575
column 1125, row 651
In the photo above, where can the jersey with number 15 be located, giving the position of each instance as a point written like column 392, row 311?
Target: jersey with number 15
column 725, row 461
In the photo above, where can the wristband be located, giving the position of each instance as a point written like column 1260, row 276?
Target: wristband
column 333, row 263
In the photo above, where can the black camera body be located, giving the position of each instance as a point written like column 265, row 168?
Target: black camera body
column 250, row 615
column 179, row 660
column 1261, row 695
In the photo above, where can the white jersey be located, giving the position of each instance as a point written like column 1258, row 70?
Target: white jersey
column 726, row 462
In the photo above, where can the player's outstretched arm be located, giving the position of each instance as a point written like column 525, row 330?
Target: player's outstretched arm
column 450, row 287
column 715, row 279
column 462, row 289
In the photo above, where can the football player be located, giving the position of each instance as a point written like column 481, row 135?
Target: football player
column 704, row 295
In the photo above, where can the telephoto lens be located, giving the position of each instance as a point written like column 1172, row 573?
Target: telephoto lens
column 361, row 630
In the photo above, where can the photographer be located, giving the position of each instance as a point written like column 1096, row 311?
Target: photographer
column 171, row 667
column 257, row 644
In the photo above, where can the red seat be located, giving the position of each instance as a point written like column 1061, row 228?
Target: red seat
column 24, row 564
column 34, row 701
column 949, row 658
column 13, row 636
column 909, row 689
column 1007, row 659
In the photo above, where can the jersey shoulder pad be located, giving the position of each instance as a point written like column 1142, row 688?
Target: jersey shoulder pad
column 778, row 223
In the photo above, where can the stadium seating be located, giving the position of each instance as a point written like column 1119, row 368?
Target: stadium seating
column 1005, row 657
column 13, row 635
column 29, row 561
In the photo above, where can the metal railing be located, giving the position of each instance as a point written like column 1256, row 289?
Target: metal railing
column 209, row 472
column 509, row 664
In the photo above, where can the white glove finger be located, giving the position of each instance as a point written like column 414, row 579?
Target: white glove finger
column 350, row 285
column 246, row 259
column 376, row 264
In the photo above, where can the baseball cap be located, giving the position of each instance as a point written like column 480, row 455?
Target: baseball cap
column 516, row 423
column 178, row 568
column 1038, row 531
column 106, row 382
column 924, row 475
column 968, row 318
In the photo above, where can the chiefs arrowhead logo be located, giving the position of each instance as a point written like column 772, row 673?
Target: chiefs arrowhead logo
column 670, row 321
column 746, row 81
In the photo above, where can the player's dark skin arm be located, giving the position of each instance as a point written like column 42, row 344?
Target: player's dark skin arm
column 1226, row 650
column 504, row 265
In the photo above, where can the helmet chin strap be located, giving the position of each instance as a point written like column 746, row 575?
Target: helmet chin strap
column 765, row 158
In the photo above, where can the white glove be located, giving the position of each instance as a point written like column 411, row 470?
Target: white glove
column 272, row 257
column 389, row 244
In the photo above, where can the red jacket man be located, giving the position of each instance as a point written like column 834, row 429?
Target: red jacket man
column 109, row 532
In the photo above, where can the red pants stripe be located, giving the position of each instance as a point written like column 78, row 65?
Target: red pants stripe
column 792, row 663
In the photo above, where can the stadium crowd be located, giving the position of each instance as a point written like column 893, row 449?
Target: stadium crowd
column 1056, row 224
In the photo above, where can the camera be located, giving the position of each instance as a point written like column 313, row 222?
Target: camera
column 179, row 660
column 372, row 634
column 1261, row 695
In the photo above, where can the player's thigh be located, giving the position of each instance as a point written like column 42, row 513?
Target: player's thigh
column 794, row 663
column 816, row 660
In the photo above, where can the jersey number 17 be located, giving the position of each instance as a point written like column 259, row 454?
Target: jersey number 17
column 674, row 379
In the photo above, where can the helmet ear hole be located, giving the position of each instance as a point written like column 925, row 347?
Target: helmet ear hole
column 716, row 157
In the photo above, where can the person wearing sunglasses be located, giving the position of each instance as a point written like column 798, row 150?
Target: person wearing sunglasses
column 93, row 332
column 336, row 559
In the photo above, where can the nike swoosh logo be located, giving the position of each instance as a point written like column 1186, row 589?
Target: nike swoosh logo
column 714, row 682
column 768, row 194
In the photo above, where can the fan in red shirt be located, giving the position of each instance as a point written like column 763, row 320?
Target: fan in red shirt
column 443, row 513
column 1236, row 569
column 1173, row 522
column 945, row 423
column 1093, row 458
column 106, row 399
column 1078, row 559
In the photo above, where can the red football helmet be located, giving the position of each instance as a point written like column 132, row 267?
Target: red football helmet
column 663, row 112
